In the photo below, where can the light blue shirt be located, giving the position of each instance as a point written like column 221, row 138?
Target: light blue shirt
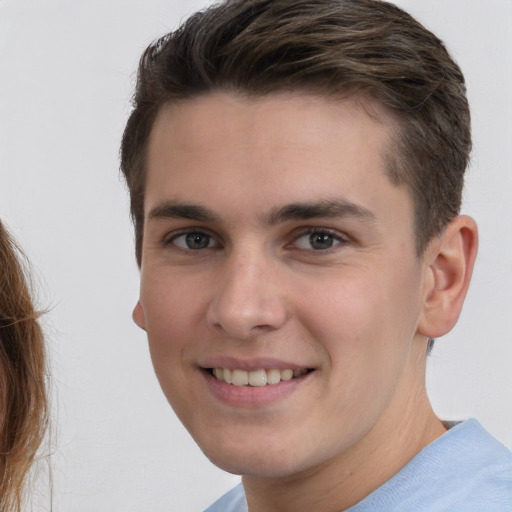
column 464, row 470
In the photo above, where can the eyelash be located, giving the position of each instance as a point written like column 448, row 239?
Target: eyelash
column 336, row 237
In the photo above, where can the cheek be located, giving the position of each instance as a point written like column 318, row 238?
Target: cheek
column 169, row 314
column 344, row 310
column 172, row 303
column 364, row 318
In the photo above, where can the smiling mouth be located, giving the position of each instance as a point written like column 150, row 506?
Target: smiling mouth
column 256, row 378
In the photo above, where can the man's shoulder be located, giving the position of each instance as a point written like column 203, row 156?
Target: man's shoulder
column 482, row 469
column 465, row 469
column 232, row 501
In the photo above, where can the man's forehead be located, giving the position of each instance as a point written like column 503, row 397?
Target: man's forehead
column 277, row 126
column 291, row 144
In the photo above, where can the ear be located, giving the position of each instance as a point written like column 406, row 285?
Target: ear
column 449, row 261
column 138, row 316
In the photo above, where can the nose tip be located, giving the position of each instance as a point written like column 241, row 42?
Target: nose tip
column 246, row 303
column 242, row 322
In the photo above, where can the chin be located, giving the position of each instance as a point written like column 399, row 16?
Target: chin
column 252, row 467
column 257, row 460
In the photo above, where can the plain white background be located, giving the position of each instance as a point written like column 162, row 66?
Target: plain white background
column 66, row 76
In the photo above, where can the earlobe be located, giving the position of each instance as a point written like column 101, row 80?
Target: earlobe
column 450, row 258
column 138, row 316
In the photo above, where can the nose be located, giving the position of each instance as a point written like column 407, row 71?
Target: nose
column 248, row 299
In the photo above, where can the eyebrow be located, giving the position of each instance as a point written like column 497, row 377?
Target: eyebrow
column 329, row 209
column 176, row 210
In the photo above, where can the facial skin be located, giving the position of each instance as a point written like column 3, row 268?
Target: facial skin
column 273, row 239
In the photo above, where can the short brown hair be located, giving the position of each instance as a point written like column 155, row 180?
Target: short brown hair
column 332, row 48
column 23, row 399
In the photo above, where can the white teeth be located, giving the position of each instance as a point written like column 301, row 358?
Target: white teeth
column 227, row 375
column 240, row 378
column 286, row 374
column 273, row 376
column 256, row 378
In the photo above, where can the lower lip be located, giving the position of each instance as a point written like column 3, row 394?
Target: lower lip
column 252, row 396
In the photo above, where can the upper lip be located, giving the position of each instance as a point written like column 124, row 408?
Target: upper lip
column 252, row 364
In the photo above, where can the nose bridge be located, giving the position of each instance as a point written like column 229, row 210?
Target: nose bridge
column 247, row 300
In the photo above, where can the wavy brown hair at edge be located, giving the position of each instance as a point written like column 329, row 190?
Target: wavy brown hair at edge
column 23, row 398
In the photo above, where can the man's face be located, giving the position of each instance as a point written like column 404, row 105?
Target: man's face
column 274, row 245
